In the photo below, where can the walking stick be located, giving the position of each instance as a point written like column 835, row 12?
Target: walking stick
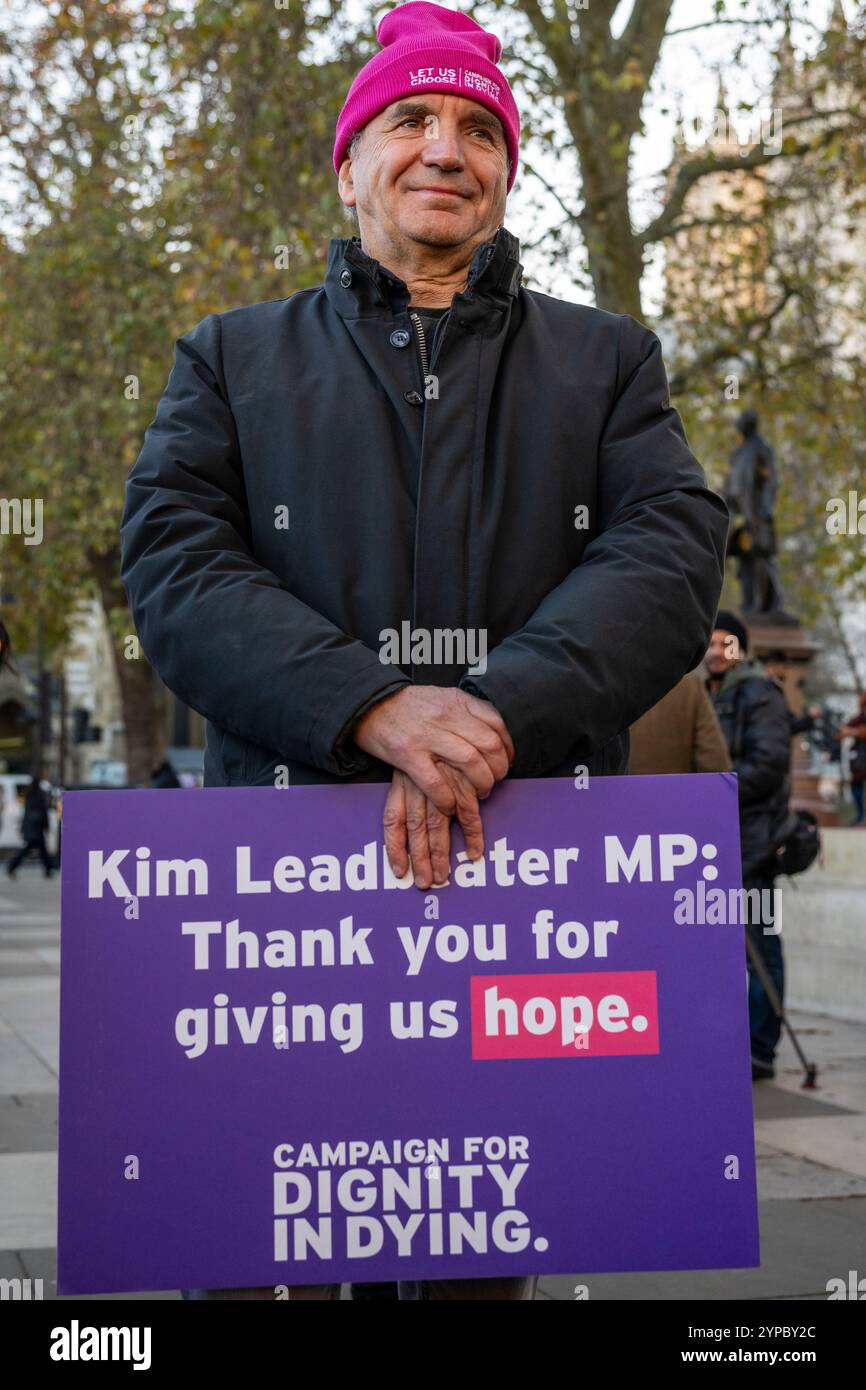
column 810, row 1068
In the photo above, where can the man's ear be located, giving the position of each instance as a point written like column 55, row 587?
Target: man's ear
column 346, row 184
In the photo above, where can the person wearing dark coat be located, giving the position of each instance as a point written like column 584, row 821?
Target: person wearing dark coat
column 855, row 728
column 374, row 542
column 34, row 824
column 679, row 735
column 164, row 776
column 775, row 663
column 754, row 717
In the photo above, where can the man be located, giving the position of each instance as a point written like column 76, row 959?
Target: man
column 680, row 734
column 775, row 664
column 518, row 485
column 855, row 728
column 164, row 777
column 34, row 827
column 754, row 719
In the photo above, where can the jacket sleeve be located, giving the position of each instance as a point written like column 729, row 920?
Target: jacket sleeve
column 800, row 723
column 221, row 630
column 637, row 612
column 764, row 754
column 709, row 749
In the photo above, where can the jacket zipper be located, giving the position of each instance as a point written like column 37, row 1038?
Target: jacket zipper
column 422, row 344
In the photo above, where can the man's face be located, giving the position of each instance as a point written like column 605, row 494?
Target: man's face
column 430, row 169
column 722, row 653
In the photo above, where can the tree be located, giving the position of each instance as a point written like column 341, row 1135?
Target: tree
column 158, row 158
column 167, row 161
column 599, row 81
column 765, row 307
column 764, row 243
column 85, row 308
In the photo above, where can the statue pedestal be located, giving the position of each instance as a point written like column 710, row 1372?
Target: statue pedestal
column 799, row 651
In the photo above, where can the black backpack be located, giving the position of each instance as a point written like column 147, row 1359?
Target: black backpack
column 800, row 846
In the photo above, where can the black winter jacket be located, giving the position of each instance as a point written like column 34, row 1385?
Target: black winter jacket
column 756, row 724
column 302, row 489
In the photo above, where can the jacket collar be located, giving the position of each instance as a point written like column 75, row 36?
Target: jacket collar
column 746, row 669
column 357, row 285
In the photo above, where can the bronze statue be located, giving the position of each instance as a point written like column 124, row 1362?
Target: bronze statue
column 750, row 492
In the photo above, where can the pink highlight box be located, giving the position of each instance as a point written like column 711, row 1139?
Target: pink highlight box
column 610, row 1014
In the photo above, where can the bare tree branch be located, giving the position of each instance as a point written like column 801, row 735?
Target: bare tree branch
column 556, row 36
column 749, row 333
column 744, row 23
column 543, row 74
column 543, row 239
column 530, row 169
column 698, row 168
column 644, row 32
column 730, row 220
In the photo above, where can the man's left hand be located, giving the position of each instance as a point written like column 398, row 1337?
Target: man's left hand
column 417, row 831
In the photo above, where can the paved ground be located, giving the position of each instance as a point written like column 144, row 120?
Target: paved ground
column 811, row 1149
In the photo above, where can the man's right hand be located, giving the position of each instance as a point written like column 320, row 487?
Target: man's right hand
column 428, row 730
column 417, row 833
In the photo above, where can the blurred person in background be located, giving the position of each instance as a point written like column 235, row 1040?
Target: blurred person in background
column 776, row 665
column 679, row 734
column 855, row 728
column 164, row 776
column 755, row 722
column 34, row 824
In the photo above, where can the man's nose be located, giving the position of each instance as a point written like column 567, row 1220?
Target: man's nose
column 445, row 148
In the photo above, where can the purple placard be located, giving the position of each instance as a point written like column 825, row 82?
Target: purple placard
column 248, row 1104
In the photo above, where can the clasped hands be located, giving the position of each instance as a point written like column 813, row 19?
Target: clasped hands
column 448, row 750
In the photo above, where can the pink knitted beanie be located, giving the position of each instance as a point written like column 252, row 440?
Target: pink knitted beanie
column 428, row 48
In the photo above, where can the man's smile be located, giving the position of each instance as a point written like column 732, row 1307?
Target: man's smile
column 448, row 192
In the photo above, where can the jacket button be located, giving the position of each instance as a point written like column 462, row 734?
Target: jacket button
column 399, row 338
column 345, row 278
column 413, row 398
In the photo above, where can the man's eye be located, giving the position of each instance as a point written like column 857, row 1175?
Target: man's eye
column 479, row 130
